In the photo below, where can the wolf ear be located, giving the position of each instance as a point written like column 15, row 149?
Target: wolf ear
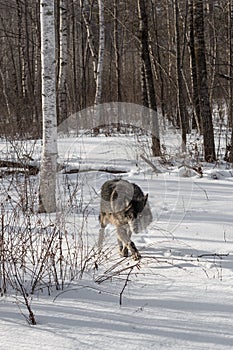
column 145, row 199
column 128, row 207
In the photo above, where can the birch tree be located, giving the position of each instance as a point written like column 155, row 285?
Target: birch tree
column 97, row 57
column 47, row 186
column 90, row 36
column 100, row 64
column 117, row 50
column 62, row 73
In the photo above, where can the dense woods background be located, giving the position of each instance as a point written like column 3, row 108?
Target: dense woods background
column 180, row 49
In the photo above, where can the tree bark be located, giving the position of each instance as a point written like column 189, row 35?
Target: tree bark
column 196, row 103
column 183, row 115
column 145, row 57
column 158, row 64
column 202, row 80
column 47, row 186
column 100, row 64
column 90, row 37
column 62, row 69
column 117, row 52
column 230, row 63
column 230, row 73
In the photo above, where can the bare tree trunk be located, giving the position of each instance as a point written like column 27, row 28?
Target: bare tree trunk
column 230, row 73
column 90, row 37
column 213, row 52
column 73, row 55
column 230, row 64
column 145, row 100
column 169, row 33
column 145, row 56
column 203, row 90
column 22, row 67
column 99, row 70
column 117, row 51
column 62, row 69
column 183, row 115
column 97, row 59
column 47, row 187
column 159, row 62
column 5, row 96
column 196, row 104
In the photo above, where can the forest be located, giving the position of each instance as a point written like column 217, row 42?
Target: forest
column 174, row 57
column 99, row 90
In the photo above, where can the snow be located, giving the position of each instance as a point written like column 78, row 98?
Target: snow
column 179, row 296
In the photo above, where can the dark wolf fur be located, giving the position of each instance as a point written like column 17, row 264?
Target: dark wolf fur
column 124, row 205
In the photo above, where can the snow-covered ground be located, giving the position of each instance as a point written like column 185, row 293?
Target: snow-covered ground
column 179, row 296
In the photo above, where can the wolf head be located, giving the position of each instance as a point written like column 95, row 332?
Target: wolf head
column 139, row 214
column 126, row 202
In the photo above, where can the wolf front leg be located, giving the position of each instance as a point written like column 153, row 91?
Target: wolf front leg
column 122, row 248
column 103, row 223
column 101, row 237
column 126, row 244
column 135, row 253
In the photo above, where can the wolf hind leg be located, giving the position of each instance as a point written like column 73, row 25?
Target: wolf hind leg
column 135, row 253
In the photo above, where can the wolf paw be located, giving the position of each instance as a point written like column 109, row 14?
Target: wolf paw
column 135, row 253
column 124, row 252
column 136, row 256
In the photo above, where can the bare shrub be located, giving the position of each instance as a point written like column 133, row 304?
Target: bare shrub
column 40, row 252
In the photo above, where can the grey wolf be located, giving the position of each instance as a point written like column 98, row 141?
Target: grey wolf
column 124, row 205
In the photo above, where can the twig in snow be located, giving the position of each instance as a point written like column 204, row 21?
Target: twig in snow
column 31, row 319
column 197, row 169
column 125, row 284
column 218, row 255
column 202, row 190
column 150, row 164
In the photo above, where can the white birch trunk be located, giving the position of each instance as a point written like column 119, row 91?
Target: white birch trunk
column 97, row 61
column 99, row 70
column 5, row 96
column 90, row 37
column 62, row 79
column 47, row 187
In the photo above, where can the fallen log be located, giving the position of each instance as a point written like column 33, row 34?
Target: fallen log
column 14, row 167
column 105, row 170
column 18, row 167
